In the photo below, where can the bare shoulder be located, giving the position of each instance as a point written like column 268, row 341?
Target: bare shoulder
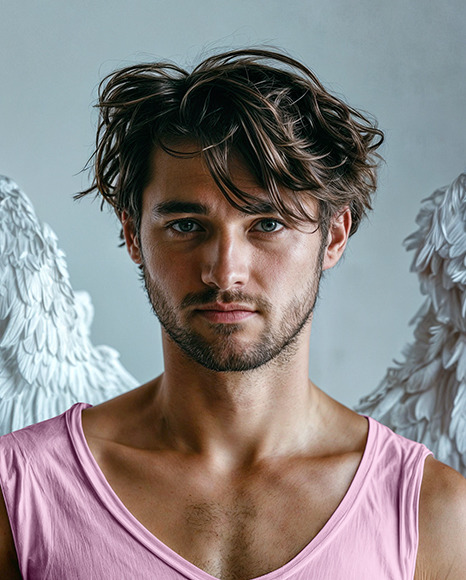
column 8, row 560
column 442, row 523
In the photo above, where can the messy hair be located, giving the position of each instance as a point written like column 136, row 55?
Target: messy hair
column 296, row 138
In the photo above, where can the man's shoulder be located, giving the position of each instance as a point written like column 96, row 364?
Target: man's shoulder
column 442, row 523
column 443, row 493
column 37, row 437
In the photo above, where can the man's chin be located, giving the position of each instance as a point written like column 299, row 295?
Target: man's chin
column 229, row 356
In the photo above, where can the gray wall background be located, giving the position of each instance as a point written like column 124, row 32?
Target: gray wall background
column 403, row 61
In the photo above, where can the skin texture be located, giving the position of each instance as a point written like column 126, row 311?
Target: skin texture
column 238, row 471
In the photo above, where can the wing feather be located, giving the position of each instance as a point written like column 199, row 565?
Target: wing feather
column 424, row 396
column 47, row 360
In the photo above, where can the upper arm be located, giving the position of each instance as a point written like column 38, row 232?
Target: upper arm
column 442, row 524
column 8, row 560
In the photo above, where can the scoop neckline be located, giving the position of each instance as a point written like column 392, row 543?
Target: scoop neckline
column 117, row 508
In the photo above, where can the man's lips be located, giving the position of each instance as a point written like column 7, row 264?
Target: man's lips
column 223, row 312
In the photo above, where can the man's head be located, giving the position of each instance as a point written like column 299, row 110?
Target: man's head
column 236, row 184
column 292, row 134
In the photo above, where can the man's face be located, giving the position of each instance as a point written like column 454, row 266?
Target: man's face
column 232, row 290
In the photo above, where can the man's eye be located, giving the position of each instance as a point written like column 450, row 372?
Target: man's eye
column 186, row 226
column 268, row 225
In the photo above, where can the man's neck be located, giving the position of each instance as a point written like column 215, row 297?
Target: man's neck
column 235, row 418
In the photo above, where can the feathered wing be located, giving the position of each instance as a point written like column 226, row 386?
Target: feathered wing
column 47, row 360
column 424, row 397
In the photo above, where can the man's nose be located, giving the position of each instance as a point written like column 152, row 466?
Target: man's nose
column 225, row 261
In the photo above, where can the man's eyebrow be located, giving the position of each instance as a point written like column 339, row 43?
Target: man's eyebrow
column 262, row 207
column 175, row 206
column 178, row 206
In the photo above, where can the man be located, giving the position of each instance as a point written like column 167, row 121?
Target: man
column 236, row 186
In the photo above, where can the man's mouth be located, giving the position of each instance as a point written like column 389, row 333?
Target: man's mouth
column 220, row 312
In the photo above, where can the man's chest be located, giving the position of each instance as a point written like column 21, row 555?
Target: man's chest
column 233, row 526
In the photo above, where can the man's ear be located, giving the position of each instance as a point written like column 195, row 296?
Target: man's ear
column 131, row 237
column 338, row 234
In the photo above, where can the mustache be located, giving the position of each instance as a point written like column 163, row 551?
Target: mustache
column 211, row 295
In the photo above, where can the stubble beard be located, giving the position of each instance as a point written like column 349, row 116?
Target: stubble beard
column 277, row 341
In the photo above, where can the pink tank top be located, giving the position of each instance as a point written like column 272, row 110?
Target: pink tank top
column 67, row 522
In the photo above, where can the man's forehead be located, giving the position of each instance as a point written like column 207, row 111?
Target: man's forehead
column 183, row 176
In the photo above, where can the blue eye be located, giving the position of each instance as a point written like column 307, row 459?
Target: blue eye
column 268, row 225
column 185, row 226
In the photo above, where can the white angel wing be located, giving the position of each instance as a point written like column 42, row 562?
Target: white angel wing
column 47, row 361
column 424, row 397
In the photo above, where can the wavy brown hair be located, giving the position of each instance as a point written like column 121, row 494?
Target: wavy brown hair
column 296, row 138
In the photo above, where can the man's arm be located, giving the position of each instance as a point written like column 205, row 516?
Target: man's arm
column 442, row 524
column 8, row 561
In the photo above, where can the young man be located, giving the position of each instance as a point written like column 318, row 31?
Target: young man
column 236, row 185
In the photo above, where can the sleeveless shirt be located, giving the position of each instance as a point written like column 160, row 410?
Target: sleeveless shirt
column 68, row 523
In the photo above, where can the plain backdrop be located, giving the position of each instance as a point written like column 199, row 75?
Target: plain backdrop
column 404, row 61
